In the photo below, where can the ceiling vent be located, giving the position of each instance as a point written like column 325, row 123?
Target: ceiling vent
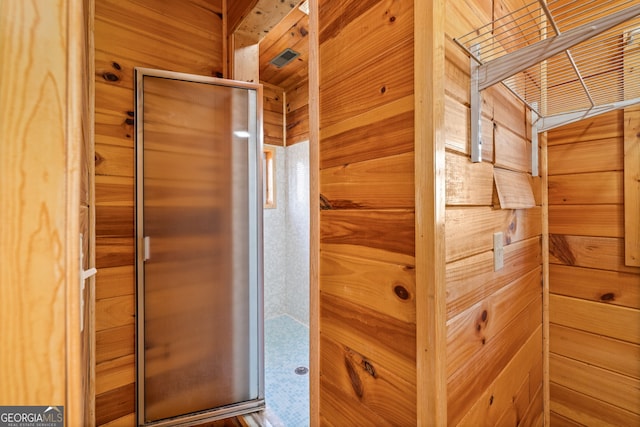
column 304, row 6
column 284, row 57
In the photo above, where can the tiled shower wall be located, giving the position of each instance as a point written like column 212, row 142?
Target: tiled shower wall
column 286, row 237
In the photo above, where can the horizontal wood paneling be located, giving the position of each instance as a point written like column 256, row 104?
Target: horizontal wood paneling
column 367, row 136
column 185, row 37
column 115, row 281
column 469, row 230
column 114, row 312
column 494, row 318
column 612, row 287
column 584, row 251
column 511, row 151
column 586, row 189
column 595, row 299
column 468, row 183
column 609, row 320
column 383, row 286
column 372, row 334
column 297, row 119
column 609, row 387
column 114, row 343
column 115, row 373
column 363, row 381
column 600, row 127
column 587, row 410
column 469, row 331
column 367, row 223
column 595, row 349
column 273, row 119
column 602, row 221
column 388, row 230
column 374, row 184
column 471, row 280
column 468, row 383
column 591, row 156
column 114, row 404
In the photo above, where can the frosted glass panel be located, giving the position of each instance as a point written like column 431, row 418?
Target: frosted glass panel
column 199, row 197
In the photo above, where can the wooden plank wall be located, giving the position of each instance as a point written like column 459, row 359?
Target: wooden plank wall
column 367, row 280
column 273, row 114
column 45, row 122
column 594, row 297
column 494, row 318
column 179, row 36
column 297, row 110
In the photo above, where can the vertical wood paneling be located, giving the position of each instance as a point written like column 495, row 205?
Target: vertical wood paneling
column 314, row 215
column 594, row 302
column 185, row 37
column 45, row 129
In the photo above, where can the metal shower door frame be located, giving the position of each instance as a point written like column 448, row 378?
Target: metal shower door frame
column 256, row 215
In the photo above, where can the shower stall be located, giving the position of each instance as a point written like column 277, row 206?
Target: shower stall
column 199, row 248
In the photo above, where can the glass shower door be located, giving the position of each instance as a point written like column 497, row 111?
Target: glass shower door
column 199, row 247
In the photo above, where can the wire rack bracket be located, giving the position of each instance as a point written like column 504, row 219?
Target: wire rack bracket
column 567, row 60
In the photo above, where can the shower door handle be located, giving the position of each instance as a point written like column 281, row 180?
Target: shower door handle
column 146, row 248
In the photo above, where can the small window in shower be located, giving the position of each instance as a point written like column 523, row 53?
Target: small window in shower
column 268, row 178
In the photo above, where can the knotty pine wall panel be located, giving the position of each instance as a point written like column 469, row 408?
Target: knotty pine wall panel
column 273, row 114
column 297, row 112
column 185, row 37
column 367, row 350
column 595, row 299
column 494, row 318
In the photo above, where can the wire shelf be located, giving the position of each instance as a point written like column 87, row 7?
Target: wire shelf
column 599, row 68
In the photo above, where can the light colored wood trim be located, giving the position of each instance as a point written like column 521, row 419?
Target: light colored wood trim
column 544, row 174
column 39, row 248
column 90, row 400
column 314, row 219
column 429, row 74
column 76, row 75
column 632, row 187
column 225, row 40
column 245, row 54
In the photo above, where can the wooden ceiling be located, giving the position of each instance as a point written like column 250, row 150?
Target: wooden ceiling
column 292, row 32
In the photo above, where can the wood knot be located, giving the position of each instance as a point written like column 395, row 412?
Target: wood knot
column 491, row 400
column 392, row 19
column 303, row 31
column 130, row 113
column 325, row 204
column 356, row 383
column 484, row 315
column 559, row 247
column 383, row 89
column 110, row 77
column 369, row 368
column 218, row 74
column 129, row 121
column 116, row 66
column 610, row 296
column 401, row 292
